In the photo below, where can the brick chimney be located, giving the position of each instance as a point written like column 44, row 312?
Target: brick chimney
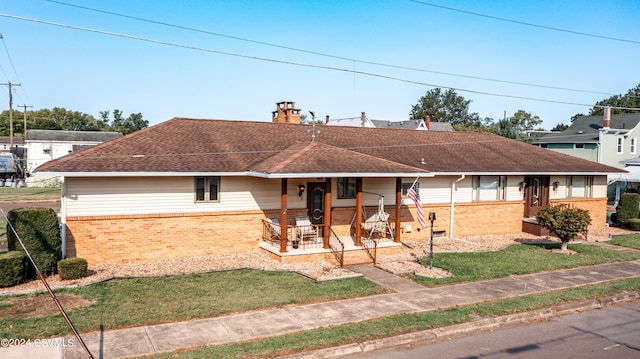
column 607, row 117
column 286, row 112
column 427, row 122
column 326, row 120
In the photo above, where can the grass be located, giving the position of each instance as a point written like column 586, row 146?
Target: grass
column 627, row 240
column 144, row 301
column 520, row 259
column 132, row 302
column 10, row 194
column 390, row 326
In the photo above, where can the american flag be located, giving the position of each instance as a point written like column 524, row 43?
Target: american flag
column 414, row 194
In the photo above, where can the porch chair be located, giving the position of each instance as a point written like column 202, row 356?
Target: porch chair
column 305, row 229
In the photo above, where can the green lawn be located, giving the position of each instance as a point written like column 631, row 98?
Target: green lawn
column 386, row 327
column 9, row 194
column 519, row 259
column 131, row 302
column 627, row 240
column 143, row 301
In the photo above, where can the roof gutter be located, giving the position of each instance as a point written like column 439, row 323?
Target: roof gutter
column 338, row 174
column 453, row 189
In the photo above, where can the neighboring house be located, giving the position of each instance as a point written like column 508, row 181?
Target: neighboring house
column 363, row 121
column 45, row 145
column 15, row 145
column 189, row 187
column 606, row 139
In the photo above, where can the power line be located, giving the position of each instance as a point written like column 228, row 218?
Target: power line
column 526, row 23
column 400, row 67
column 331, row 68
column 12, row 66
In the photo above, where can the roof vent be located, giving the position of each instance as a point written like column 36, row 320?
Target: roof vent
column 580, row 132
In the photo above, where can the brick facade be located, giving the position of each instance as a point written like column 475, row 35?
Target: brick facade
column 128, row 238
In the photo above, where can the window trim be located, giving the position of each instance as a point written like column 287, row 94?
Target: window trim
column 206, row 190
column 620, row 145
column 588, row 187
column 633, row 144
column 575, row 146
column 343, row 187
column 501, row 193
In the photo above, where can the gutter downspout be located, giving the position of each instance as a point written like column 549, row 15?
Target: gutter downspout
column 599, row 153
column 453, row 189
column 63, row 216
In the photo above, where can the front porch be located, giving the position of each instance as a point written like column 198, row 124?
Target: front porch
column 309, row 243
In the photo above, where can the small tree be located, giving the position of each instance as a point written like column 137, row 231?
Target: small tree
column 565, row 223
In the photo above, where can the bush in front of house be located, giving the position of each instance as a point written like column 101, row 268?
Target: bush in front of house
column 564, row 222
column 40, row 232
column 13, row 268
column 628, row 208
column 72, row 268
column 633, row 224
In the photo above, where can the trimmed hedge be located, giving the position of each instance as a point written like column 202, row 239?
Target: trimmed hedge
column 628, row 207
column 13, row 268
column 633, row 224
column 72, row 268
column 39, row 230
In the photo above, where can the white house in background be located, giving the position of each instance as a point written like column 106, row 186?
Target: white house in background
column 364, row 121
column 45, row 145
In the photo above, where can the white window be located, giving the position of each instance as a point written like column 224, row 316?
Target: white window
column 620, row 144
column 633, row 145
column 46, row 149
column 207, row 189
column 489, row 188
column 578, row 146
column 580, row 186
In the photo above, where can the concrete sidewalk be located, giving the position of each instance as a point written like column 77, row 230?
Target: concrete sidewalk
column 408, row 298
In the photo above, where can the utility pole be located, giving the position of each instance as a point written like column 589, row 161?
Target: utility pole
column 24, row 116
column 10, row 112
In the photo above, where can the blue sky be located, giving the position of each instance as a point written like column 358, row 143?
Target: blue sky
column 92, row 71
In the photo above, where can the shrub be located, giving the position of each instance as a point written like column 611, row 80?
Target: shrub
column 565, row 223
column 39, row 230
column 628, row 207
column 72, row 268
column 13, row 268
column 633, row 224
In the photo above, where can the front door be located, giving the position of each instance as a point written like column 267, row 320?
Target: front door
column 315, row 203
column 536, row 194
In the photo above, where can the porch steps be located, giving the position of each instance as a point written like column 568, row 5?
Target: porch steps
column 531, row 226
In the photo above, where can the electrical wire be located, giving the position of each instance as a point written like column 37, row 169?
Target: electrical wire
column 400, row 67
column 331, row 68
column 13, row 67
column 526, row 23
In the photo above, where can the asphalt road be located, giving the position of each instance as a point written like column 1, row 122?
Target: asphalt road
column 612, row 332
column 6, row 207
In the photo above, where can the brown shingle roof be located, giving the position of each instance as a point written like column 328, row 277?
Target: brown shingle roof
column 190, row 145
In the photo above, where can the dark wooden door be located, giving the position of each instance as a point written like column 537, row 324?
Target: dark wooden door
column 315, row 202
column 536, row 194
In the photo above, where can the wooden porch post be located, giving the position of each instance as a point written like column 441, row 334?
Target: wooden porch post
column 327, row 213
column 358, row 211
column 283, row 216
column 396, row 232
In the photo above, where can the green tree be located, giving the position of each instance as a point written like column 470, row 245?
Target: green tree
column 524, row 121
column 560, row 127
column 446, row 106
column 629, row 100
column 505, row 128
column 123, row 125
column 566, row 223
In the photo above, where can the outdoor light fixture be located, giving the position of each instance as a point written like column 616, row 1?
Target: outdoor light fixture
column 521, row 186
column 300, row 190
column 555, row 185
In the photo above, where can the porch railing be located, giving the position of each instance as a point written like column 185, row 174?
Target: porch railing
column 298, row 237
column 336, row 246
column 370, row 246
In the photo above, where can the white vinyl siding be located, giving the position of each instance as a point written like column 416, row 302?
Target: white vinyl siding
column 151, row 195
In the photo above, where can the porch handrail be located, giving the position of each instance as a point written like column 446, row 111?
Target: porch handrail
column 370, row 246
column 336, row 246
